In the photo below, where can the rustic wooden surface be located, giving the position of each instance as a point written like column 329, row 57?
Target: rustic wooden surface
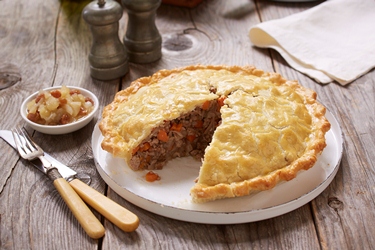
column 46, row 43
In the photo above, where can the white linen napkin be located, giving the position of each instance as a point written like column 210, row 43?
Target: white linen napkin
column 334, row 40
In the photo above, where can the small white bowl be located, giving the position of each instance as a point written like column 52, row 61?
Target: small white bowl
column 60, row 129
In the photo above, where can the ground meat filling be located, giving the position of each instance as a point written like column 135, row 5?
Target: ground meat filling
column 188, row 135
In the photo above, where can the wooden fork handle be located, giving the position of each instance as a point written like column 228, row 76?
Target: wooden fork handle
column 85, row 217
column 118, row 215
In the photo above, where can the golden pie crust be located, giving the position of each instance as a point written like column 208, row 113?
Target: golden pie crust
column 270, row 128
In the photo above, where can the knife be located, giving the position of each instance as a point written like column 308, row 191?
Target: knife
column 118, row 215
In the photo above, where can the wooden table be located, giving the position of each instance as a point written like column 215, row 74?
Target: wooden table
column 46, row 43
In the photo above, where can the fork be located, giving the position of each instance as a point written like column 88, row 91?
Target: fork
column 29, row 150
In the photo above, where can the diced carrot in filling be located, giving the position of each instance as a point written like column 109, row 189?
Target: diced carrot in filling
column 206, row 105
column 142, row 165
column 162, row 135
column 221, row 100
column 135, row 150
column 190, row 138
column 199, row 124
column 145, row 147
column 176, row 126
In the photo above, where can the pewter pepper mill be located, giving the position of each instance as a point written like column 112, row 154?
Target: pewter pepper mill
column 108, row 58
column 142, row 39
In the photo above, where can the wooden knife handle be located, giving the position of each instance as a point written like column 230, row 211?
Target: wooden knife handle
column 84, row 215
column 118, row 215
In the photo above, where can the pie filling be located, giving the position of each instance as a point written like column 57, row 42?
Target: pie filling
column 188, row 135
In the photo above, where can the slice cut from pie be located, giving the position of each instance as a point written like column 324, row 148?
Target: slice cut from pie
column 249, row 128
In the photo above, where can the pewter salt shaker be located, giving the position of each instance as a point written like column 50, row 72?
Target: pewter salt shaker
column 108, row 58
column 142, row 39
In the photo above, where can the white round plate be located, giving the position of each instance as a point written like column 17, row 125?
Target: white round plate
column 170, row 196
